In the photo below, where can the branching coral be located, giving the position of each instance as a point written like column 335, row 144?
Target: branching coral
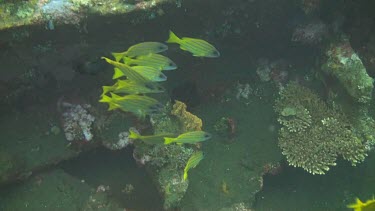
column 296, row 119
column 313, row 135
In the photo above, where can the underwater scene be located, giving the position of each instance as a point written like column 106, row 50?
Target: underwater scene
column 187, row 105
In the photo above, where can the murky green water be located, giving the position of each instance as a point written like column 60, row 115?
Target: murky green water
column 293, row 86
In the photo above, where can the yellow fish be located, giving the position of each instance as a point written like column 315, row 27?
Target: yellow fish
column 189, row 138
column 132, row 87
column 156, row 61
column 152, row 139
column 369, row 205
column 193, row 162
column 142, row 48
column 137, row 104
column 125, row 70
column 197, row 47
column 150, row 73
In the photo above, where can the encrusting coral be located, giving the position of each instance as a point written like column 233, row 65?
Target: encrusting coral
column 188, row 121
column 313, row 135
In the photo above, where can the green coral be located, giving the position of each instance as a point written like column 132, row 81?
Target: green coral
column 344, row 64
column 313, row 135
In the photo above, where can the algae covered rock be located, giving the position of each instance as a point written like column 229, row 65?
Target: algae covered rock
column 313, row 135
column 166, row 163
column 344, row 64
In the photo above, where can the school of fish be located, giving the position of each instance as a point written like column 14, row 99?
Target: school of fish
column 142, row 66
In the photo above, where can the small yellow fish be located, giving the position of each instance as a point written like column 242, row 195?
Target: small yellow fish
column 157, row 61
column 133, row 87
column 125, row 71
column 369, row 205
column 197, row 47
column 137, row 104
column 152, row 139
column 142, row 48
column 150, row 73
column 193, row 162
column 189, row 138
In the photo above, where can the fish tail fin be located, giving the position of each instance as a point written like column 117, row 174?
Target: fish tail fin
column 118, row 56
column 115, row 96
column 357, row 205
column 173, row 38
column 106, row 99
column 133, row 134
column 112, row 106
column 185, row 175
column 168, row 140
column 117, row 74
column 106, row 89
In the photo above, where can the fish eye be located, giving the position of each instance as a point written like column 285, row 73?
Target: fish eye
column 171, row 64
column 161, row 47
column 207, row 135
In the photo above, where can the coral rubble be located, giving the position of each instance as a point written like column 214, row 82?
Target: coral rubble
column 77, row 122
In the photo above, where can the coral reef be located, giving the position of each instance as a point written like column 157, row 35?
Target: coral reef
column 226, row 127
column 122, row 142
column 264, row 70
column 344, row 64
column 275, row 71
column 174, row 187
column 313, row 135
column 19, row 13
column 188, row 121
column 243, row 91
column 77, row 122
column 295, row 119
column 166, row 162
column 312, row 33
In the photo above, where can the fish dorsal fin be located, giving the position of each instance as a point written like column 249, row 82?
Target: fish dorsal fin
column 173, row 38
column 119, row 56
